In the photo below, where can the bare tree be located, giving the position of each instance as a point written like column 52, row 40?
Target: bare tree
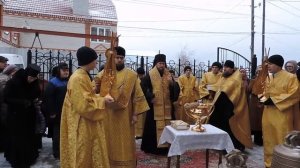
column 185, row 57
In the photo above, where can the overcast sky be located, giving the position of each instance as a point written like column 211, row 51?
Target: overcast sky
column 200, row 26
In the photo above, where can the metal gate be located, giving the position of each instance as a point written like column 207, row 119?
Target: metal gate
column 239, row 60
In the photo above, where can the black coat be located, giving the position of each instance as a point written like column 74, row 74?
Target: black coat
column 21, row 149
column 149, row 141
column 54, row 98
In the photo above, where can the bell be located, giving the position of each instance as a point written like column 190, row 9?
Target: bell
column 287, row 154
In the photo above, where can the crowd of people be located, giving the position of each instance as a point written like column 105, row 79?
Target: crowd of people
column 93, row 122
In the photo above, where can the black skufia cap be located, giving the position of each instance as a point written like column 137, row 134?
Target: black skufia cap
column 276, row 59
column 229, row 63
column 86, row 55
column 159, row 58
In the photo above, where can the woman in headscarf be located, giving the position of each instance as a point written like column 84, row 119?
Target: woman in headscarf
column 20, row 94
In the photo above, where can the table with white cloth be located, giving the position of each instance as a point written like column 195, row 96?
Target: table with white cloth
column 182, row 140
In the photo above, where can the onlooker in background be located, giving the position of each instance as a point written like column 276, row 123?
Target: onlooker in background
column 230, row 112
column 291, row 66
column 245, row 80
column 41, row 119
column 3, row 63
column 82, row 136
column 53, row 101
column 139, row 126
column 49, row 122
column 174, row 94
column 207, row 87
column 188, row 93
column 141, row 72
column 21, row 94
column 7, row 73
column 280, row 95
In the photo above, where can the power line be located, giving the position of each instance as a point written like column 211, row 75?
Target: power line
column 274, row 22
column 180, row 7
column 185, row 31
column 183, row 20
column 288, row 4
column 284, row 9
column 238, row 41
column 226, row 12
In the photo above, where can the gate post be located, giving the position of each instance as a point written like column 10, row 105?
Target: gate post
column 70, row 64
column 29, row 57
column 142, row 62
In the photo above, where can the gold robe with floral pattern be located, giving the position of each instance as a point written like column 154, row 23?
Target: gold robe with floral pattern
column 188, row 93
column 208, row 79
column 239, row 123
column 118, row 127
column 82, row 137
column 277, row 120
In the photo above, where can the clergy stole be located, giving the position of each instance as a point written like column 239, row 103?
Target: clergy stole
column 162, row 106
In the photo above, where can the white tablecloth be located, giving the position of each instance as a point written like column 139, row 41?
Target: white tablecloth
column 183, row 140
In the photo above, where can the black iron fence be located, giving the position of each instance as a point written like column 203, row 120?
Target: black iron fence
column 47, row 59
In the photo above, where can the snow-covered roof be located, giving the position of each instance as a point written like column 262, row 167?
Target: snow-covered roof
column 98, row 9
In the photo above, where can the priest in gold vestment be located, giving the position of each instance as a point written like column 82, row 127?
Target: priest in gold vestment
column 207, row 87
column 82, row 137
column 230, row 111
column 280, row 96
column 122, row 116
column 188, row 93
column 159, row 90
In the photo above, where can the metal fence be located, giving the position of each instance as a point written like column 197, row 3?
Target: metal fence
column 47, row 59
column 239, row 60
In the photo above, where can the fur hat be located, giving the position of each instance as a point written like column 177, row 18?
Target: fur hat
column 120, row 51
column 32, row 70
column 217, row 64
column 229, row 63
column 277, row 60
column 159, row 58
column 86, row 55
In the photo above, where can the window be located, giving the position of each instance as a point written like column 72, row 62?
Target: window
column 102, row 32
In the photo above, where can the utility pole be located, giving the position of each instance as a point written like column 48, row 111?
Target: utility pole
column 263, row 31
column 252, row 29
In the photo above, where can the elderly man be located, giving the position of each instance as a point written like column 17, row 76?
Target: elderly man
column 280, row 95
column 231, row 109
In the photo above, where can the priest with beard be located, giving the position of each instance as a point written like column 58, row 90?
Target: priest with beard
column 122, row 115
column 159, row 89
column 230, row 112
